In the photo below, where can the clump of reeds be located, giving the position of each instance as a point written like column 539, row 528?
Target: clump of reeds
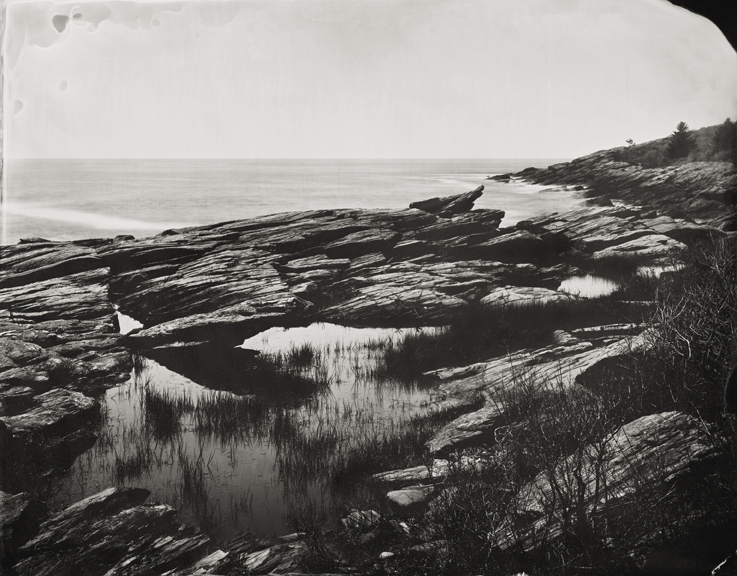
column 616, row 267
column 228, row 418
column 163, row 412
column 193, row 492
column 481, row 332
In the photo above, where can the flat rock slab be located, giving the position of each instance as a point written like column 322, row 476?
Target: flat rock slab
column 523, row 295
column 616, row 231
column 310, row 256
column 417, row 293
column 607, row 331
column 425, row 475
column 469, row 228
column 82, row 296
column 28, row 263
column 279, row 559
column 362, row 243
column 553, row 367
column 681, row 230
column 643, row 455
column 653, row 248
column 229, row 326
column 55, row 413
column 591, row 228
column 64, row 323
column 319, row 262
column 113, row 533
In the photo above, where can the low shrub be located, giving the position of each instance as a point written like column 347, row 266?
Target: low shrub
column 557, row 438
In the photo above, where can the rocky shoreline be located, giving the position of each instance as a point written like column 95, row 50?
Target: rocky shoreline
column 704, row 191
column 219, row 284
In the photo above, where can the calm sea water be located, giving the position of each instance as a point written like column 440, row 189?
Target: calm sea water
column 74, row 199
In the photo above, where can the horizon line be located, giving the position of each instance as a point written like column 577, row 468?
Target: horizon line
column 288, row 158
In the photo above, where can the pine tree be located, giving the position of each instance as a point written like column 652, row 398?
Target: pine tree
column 724, row 137
column 680, row 141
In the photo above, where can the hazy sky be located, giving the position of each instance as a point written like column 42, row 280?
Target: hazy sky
column 357, row 78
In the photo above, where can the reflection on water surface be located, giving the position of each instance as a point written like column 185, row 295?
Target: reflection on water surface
column 588, row 286
column 246, row 456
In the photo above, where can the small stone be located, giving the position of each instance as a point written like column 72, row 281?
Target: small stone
column 411, row 500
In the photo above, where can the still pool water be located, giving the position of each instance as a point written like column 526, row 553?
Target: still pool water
column 253, row 460
column 588, row 286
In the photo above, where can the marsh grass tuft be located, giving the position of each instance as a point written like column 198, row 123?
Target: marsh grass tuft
column 163, row 411
column 193, row 492
column 482, row 332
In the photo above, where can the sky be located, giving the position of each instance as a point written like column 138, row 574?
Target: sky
column 357, row 78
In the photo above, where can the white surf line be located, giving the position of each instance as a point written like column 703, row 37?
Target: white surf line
column 88, row 219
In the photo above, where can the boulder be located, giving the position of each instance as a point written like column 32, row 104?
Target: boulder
column 410, row 500
column 25, row 364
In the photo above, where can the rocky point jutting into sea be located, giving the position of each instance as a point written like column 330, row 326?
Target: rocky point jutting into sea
column 211, row 287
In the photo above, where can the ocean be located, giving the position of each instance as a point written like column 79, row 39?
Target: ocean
column 70, row 199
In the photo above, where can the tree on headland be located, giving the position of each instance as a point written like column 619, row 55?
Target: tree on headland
column 725, row 140
column 680, row 141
